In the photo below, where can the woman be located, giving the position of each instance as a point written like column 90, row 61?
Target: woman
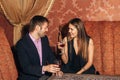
column 77, row 54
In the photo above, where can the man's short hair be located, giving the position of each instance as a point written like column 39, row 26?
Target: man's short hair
column 37, row 20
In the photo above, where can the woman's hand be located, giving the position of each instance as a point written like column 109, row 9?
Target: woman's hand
column 78, row 72
column 81, row 71
column 61, row 45
column 59, row 73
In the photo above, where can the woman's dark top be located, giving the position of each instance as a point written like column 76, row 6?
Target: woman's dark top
column 75, row 61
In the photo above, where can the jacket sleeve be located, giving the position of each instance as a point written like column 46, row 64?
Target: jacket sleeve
column 24, row 62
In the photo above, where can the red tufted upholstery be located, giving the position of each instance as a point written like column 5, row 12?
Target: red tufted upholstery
column 7, row 66
column 106, row 37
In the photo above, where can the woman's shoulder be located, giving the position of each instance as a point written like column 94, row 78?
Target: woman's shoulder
column 88, row 37
column 89, row 40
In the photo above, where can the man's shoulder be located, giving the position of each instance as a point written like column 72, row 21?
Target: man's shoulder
column 23, row 39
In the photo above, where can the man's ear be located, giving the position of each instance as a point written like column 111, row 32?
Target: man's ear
column 38, row 27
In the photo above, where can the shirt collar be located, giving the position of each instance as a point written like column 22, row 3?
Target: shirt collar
column 33, row 39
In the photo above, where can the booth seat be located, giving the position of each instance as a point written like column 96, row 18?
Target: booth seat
column 106, row 37
column 8, row 69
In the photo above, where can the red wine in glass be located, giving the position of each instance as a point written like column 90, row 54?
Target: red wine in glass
column 62, row 45
column 58, row 62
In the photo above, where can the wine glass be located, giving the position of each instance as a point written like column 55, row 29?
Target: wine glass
column 58, row 62
column 62, row 44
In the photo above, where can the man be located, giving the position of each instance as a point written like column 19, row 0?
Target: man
column 34, row 53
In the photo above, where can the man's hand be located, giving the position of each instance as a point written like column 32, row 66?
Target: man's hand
column 59, row 73
column 53, row 68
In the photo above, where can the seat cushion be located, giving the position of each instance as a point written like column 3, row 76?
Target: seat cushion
column 7, row 65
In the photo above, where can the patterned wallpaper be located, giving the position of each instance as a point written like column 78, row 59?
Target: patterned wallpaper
column 102, row 22
column 100, row 18
column 88, row 10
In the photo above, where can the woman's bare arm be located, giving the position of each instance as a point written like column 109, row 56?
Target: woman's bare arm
column 90, row 57
column 64, row 51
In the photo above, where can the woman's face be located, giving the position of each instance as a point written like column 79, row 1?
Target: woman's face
column 73, row 31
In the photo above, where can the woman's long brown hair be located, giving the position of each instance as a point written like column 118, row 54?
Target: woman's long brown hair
column 82, row 37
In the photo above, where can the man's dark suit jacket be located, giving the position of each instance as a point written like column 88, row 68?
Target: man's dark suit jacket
column 28, row 58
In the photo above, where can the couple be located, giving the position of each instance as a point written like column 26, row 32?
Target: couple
column 35, row 57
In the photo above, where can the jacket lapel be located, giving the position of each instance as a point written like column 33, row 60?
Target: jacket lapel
column 32, row 49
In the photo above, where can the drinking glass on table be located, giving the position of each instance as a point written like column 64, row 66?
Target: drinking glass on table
column 57, row 62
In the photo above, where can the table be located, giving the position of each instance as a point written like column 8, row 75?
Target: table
column 68, row 76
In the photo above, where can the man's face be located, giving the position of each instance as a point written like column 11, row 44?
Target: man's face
column 43, row 29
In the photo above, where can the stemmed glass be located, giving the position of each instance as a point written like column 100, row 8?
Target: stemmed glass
column 62, row 44
column 58, row 62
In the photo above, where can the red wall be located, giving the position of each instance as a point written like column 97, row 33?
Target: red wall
column 63, row 10
column 88, row 10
